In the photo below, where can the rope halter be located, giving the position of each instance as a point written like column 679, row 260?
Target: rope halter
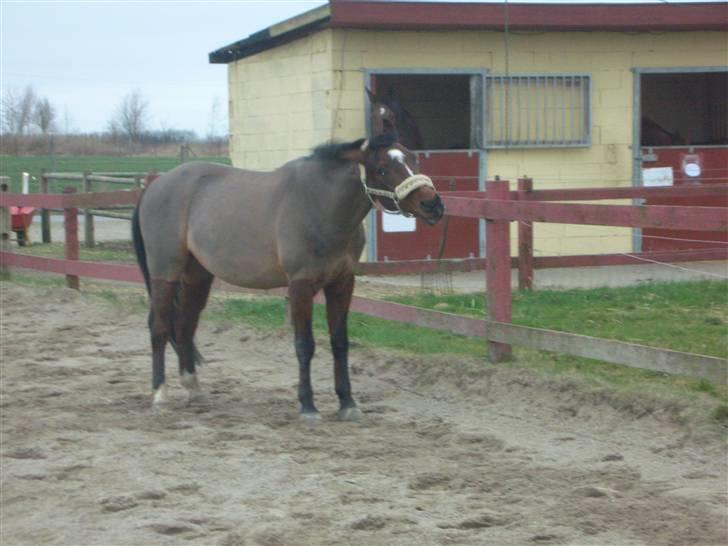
column 401, row 191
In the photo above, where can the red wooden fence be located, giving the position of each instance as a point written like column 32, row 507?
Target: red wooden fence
column 499, row 207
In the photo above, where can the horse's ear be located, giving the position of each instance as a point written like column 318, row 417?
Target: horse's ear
column 354, row 151
column 372, row 96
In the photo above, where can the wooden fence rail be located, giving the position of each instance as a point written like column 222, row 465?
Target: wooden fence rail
column 599, row 194
column 87, row 178
column 497, row 330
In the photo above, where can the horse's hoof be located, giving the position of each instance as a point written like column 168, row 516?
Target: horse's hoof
column 350, row 414
column 310, row 419
column 160, row 397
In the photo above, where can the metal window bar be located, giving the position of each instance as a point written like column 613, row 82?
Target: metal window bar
column 538, row 110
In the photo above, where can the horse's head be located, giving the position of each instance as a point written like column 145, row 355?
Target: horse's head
column 391, row 178
column 389, row 116
column 383, row 117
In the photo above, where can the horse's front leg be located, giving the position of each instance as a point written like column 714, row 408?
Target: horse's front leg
column 300, row 294
column 338, row 300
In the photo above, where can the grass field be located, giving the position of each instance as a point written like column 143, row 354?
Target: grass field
column 685, row 316
column 14, row 166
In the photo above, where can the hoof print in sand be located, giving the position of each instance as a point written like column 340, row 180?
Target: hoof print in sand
column 481, row 521
column 594, row 492
column 369, row 523
column 170, row 529
column 153, row 494
column 25, row 453
column 432, row 480
column 118, row 503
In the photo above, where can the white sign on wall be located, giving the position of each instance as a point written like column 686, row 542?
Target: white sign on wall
column 657, row 176
column 396, row 223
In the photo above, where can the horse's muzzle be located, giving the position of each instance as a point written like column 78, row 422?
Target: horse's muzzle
column 432, row 210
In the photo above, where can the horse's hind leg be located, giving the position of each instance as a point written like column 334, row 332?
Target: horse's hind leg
column 192, row 296
column 162, row 303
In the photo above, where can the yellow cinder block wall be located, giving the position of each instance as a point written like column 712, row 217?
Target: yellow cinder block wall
column 286, row 100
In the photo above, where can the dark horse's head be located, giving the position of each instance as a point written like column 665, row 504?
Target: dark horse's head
column 389, row 116
column 391, row 177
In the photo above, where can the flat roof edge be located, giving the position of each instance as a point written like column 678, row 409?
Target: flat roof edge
column 411, row 15
column 273, row 36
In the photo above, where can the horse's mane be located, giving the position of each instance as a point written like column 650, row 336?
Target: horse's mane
column 332, row 150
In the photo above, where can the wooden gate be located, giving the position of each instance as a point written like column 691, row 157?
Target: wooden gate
column 684, row 166
column 412, row 239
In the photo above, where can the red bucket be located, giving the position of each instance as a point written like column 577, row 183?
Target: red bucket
column 21, row 217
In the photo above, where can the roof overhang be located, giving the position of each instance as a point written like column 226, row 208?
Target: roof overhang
column 278, row 34
column 384, row 15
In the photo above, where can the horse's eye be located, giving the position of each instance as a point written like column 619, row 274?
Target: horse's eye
column 380, row 171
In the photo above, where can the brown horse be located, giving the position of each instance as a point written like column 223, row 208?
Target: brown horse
column 299, row 226
column 389, row 116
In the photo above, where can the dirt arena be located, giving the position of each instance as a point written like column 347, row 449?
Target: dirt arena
column 449, row 452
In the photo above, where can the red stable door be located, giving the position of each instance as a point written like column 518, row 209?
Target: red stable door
column 685, row 166
column 401, row 238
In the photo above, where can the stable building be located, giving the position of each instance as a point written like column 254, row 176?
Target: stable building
column 568, row 95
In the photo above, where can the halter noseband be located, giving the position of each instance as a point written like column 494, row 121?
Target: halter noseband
column 401, row 191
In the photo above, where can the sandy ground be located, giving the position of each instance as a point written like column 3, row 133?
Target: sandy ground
column 449, row 452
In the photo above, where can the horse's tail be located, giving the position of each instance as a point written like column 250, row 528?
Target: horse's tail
column 139, row 250
column 141, row 256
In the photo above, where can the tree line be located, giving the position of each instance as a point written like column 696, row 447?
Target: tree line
column 30, row 124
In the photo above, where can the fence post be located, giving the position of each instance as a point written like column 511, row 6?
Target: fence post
column 70, row 225
column 88, row 219
column 5, row 228
column 498, row 268
column 45, row 214
column 525, row 241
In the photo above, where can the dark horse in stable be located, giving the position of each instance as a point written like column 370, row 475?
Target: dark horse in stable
column 389, row 116
column 299, row 226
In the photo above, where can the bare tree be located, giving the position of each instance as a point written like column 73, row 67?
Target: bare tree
column 17, row 110
column 131, row 117
column 45, row 115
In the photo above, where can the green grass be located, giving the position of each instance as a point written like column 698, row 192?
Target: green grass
column 13, row 166
column 690, row 317
column 269, row 312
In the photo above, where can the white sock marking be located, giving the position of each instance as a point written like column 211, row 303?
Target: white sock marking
column 190, row 382
column 160, row 395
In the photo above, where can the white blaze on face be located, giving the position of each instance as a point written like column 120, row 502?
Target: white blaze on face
column 398, row 155
column 382, row 110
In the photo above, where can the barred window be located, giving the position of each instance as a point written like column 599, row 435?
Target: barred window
column 538, row 110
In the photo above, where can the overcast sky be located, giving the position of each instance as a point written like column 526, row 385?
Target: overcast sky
column 85, row 56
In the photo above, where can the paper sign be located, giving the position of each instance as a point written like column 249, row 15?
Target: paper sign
column 657, row 176
column 396, row 223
